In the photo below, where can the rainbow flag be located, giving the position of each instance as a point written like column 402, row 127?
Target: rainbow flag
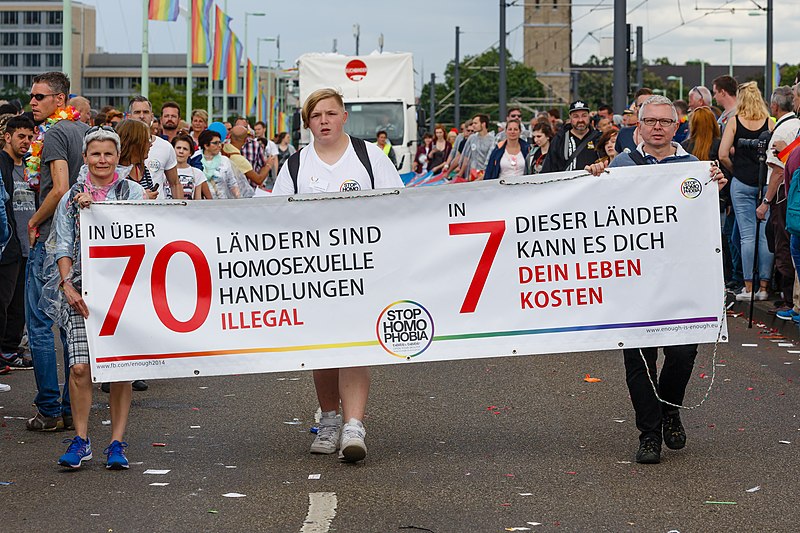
column 201, row 26
column 264, row 109
column 163, row 10
column 234, row 58
column 222, row 45
column 251, row 88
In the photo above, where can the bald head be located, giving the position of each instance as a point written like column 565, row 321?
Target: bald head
column 83, row 106
column 238, row 135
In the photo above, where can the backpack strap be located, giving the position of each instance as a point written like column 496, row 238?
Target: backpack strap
column 361, row 151
column 637, row 158
column 294, row 168
column 360, row 148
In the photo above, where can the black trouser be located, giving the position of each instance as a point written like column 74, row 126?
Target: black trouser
column 675, row 374
column 12, row 305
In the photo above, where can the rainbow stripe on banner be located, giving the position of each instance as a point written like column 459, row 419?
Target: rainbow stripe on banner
column 163, row 10
column 201, row 26
column 232, row 68
column 222, row 44
column 264, row 109
column 250, row 87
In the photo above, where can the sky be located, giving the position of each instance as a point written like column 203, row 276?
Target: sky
column 681, row 30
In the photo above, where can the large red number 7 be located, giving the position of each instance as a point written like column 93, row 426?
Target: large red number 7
column 135, row 252
column 495, row 229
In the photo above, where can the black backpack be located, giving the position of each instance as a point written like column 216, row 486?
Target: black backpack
column 361, row 151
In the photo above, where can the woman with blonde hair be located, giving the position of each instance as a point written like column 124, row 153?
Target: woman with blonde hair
column 199, row 120
column 751, row 120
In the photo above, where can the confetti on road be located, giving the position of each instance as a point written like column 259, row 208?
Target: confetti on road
column 234, row 495
column 159, row 484
column 590, row 379
column 719, row 503
column 106, row 422
column 156, row 472
column 194, row 427
column 212, row 511
column 785, row 344
column 785, row 441
column 159, row 444
column 293, row 422
column 526, row 494
column 754, row 489
column 314, row 476
column 534, row 523
column 749, row 345
column 518, row 529
column 6, row 483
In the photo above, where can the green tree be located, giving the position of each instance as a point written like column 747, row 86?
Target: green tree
column 480, row 87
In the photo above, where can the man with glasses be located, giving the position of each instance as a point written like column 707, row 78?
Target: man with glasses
column 699, row 96
column 61, row 160
column 658, row 122
column 161, row 160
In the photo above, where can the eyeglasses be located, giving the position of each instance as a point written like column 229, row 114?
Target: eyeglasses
column 98, row 128
column 514, row 116
column 39, row 97
column 664, row 122
column 215, row 142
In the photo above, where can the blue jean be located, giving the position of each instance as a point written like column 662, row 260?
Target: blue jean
column 49, row 400
column 730, row 234
column 744, row 199
column 794, row 248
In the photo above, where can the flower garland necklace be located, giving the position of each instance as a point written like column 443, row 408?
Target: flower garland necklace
column 34, row 162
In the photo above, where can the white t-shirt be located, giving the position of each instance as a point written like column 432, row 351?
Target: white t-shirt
column 161, row 157
column 786, row 131
column 272, row 148
column 512, row 165
column 191, row 178
column 347, row 174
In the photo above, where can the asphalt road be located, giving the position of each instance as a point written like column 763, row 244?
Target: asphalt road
column 468, row 446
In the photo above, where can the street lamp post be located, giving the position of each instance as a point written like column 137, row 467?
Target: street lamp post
column 244, row 99
column 730, row 54
column 258, row 74
column 679, row 79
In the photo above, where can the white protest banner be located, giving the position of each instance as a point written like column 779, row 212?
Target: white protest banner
column 631, row 258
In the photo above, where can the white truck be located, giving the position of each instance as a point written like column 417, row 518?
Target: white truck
column 378, row 93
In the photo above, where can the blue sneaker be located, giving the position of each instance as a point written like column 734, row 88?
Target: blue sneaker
column 116, row 456
column 787, row 314
column 79, row 451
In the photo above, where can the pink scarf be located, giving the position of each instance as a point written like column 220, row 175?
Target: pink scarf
column 99, row 193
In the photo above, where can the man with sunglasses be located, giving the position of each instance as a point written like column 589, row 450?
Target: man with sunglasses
column 61, row 160
column 514, row 113
column 699, row 96
column 161, row 161
column 658, row 122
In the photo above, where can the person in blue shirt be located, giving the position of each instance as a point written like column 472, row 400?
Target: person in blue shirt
column 658, row 122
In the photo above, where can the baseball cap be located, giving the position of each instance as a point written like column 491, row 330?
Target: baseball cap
column 578, row 105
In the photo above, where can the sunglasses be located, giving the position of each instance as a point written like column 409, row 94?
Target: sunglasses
column 98, row 128
column 39, row 97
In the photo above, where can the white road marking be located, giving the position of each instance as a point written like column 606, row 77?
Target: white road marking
column 321, row 512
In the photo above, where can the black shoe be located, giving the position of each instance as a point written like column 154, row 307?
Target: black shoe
column 139, row 385
column 649, row 452
column 69, row 425
column 106, row 387
column 674, row 434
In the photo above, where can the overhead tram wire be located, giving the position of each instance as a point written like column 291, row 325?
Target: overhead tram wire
column 665, row 32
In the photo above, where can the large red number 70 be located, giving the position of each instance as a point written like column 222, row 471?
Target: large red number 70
column 495, row 229
column 135, row 254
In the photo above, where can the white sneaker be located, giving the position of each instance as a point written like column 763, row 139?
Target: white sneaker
column 762, row 295
column 353, row 447
column 330, row 428
column 743, row 296
column 4, row 387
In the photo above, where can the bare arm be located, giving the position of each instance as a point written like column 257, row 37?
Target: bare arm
column 726, row 144
column 74, row 298
column 174, row 183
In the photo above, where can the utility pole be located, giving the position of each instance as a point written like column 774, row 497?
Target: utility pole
column 457, row 83
column 639, row 59
column 768, row 77
column 380, row 43
column 502, row 99
column 66, row 43
column 620, row 55
column 432, row 119
column 357, row 34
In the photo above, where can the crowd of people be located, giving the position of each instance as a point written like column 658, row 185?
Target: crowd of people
column 62, row 156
